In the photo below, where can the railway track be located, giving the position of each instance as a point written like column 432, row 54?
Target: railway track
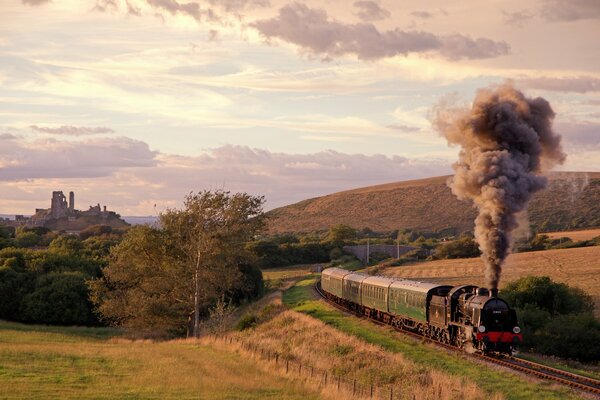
column 586, row 384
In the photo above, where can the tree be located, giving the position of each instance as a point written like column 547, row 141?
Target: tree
column 543, row 293
column 158, row 278
column 339, row 234
column 464, row 247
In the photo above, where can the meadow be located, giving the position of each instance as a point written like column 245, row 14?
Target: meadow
column 38, row 362
column 576, row 267
column 403, row 358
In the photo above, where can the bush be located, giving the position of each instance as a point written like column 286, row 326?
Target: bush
column 27, row 239
column 250, row 286
column 541, row 292
column 247, row 321
column 556, row 318
column 571, row 336
column 59, row 299
column 465, row 247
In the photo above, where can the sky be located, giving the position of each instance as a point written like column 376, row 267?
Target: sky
column 136, row 103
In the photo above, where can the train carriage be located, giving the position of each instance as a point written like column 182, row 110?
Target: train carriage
column 375, row 292
column 351, row 287
column 412, row 299
column 331, row 280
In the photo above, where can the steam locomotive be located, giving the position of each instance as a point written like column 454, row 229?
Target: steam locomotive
column 466, row 316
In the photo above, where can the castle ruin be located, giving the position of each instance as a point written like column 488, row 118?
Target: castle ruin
column 63, row 213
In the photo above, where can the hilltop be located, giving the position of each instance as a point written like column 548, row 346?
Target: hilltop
column 571, row 201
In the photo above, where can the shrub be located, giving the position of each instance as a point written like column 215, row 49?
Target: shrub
column 59, row 299
column 556, row 318
column 247, row 321
column 464, row 247
column 543, row 293
column 571, row 336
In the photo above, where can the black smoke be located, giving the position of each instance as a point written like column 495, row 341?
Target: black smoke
column 507, row 143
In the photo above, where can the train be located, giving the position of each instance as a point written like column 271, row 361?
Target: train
column 472, row 318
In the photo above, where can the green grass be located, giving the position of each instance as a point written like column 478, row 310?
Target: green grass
column 38, row 362
column 578, row 369
column 301, row 298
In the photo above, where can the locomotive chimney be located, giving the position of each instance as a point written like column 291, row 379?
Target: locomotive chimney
column 494, row 292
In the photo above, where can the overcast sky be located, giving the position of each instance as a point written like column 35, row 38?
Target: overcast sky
column 135, row 103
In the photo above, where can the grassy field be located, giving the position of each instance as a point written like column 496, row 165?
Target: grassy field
column 38, row 362
column 575, row 236
column 577, row 267
column 492, row 381
column 282, row 273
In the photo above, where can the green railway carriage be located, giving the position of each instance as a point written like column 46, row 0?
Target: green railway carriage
column 375, row 292
column 412, row 298
column 351, row 287
column 331, row 280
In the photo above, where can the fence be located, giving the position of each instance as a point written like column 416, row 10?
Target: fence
column 322, row 378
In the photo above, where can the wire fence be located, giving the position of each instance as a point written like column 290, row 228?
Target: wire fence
column 322, row 378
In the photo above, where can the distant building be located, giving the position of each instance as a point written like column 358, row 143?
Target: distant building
column 63, row 215
column 58, row 206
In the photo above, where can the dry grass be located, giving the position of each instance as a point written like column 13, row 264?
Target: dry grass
column 428, row 204
column 303, row 339
column 578, row 267
column 575, row 236
column 294, row 271
column 37, row 364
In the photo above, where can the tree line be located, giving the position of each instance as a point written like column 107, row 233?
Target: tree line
column 161, row 280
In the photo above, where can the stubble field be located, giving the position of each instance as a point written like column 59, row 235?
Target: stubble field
column 578, row 267
column 585, row 234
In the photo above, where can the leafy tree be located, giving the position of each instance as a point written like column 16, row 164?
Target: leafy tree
column 544, row 294
column 95, row 230
column 66, row 244
column 158, row 278
column 27, row 239
column 60, row 299
column 14, row 285
column 571, row 336
column 340, row 234
column 464, row 247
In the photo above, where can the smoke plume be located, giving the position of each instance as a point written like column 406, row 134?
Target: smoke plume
column 507, row 142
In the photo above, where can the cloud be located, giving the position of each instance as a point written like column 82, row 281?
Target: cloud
column 314, row 32
column 135, row 178
column 50, row 158
column 422, row 14
column 580, row 135
column 8, row 136
column 579, row 84
column 404, row 128
column 72, row 130
column 572, row 10
column 174, row 7
column 517, row 18
column 35, row 2
column 371, row 11
column 239, row 5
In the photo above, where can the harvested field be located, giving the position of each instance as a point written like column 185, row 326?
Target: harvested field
column 577, row 267
column 575, row 236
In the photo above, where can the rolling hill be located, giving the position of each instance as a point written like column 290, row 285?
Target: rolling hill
column 571, row 201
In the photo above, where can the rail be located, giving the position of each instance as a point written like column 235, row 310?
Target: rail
column 583, row 383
